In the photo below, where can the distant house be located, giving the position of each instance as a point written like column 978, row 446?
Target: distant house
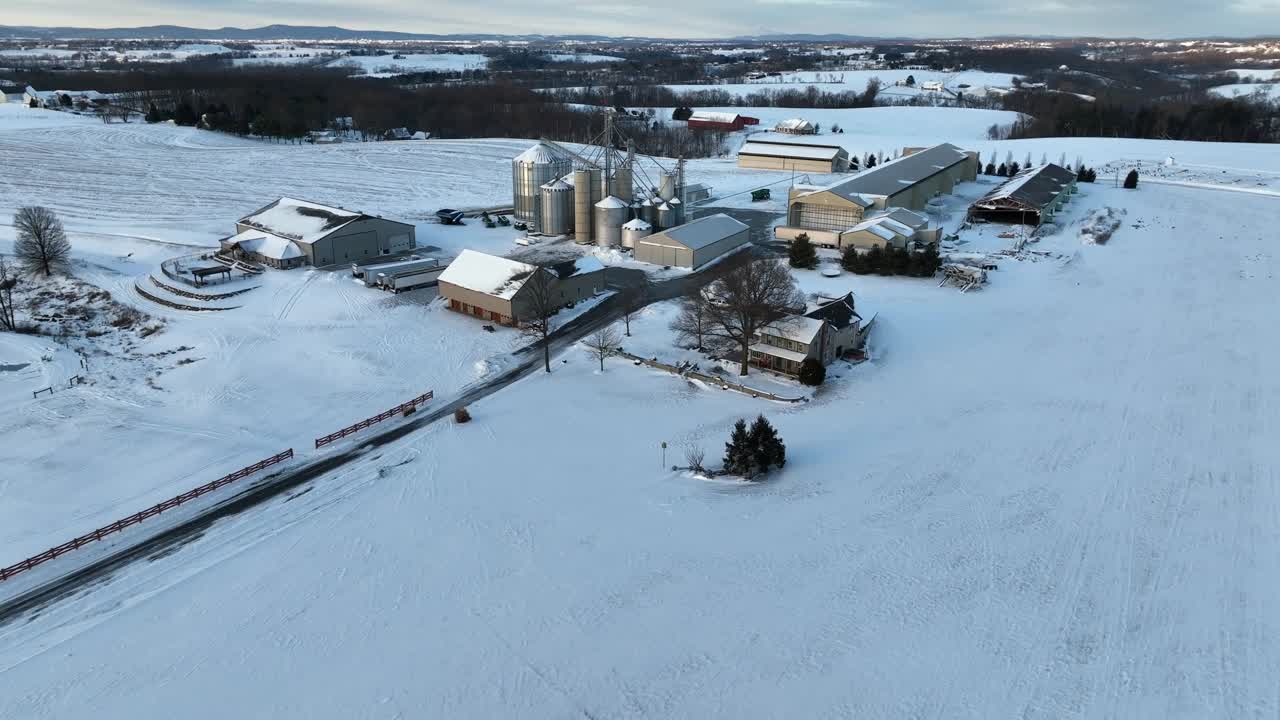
column 397, row 134
column 729, row 122
column 289, row 233
column 693, row 244
column 1031, row 197
column 842, row 317
column 39, row 98
column 495, row 288
column 931, row 86
column 796, row 126
column 420, row 135
column 788, row 155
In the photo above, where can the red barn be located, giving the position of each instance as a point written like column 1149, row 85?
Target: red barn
column 720, row 121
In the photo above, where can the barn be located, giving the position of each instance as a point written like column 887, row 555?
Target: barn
column 289, row 233
column 799, row 156
column 729, row 122
column 1031, row 197
column 693, row 244
column 496, row 289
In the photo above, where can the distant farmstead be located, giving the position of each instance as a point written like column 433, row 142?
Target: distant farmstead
column 796, row 126
column 729, row 122
column 290, row 233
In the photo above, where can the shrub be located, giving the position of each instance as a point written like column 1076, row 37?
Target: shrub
column 812, row 372
column 461, row 415
column 853, row 261
column 1131, row 180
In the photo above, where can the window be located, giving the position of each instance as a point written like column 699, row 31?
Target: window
column 825, row 217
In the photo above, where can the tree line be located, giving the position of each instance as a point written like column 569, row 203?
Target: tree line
column 1178, row 118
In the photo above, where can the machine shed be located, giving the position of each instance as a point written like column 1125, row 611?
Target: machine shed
column 693, row 244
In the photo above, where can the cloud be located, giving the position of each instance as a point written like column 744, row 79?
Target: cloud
column 856, row 4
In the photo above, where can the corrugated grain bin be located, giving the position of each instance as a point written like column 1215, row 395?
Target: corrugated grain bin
column 557, row 208
column 634, row 230
column 611, row 214
column 530, row 170
column 666, row 216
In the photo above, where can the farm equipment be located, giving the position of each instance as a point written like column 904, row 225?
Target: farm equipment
column 761, row 194
column 449, row 216
column 503, row 221
column 521, row 225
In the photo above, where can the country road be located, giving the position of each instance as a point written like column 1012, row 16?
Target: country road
column 625, row 282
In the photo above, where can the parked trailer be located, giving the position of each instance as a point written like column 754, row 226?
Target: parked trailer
column 370, row 273
column 410, row 281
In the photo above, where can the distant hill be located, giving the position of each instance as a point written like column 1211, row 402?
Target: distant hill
column 268, row 32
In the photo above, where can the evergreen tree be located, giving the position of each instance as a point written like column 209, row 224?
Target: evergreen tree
column 930, row 261
column 767, row 448
column 1131, row 180
column 853, row 163
column 990, row 169
column 853, row 261
column 875, row 260
column 738, row 451
column 899, row 261
column 812, row 372
column 1014, row 169
column 153, row 114
column 802, row 253
column 1003, row 170
column 871, row 160
column 1091, row 174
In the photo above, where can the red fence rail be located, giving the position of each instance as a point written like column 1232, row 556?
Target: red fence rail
column 367, row 422
column 117, row 526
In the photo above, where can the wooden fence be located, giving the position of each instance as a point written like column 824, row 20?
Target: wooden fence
column 154, row 510
column 367, row 422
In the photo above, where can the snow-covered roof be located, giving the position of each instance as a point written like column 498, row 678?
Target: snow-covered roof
column 1034, row 187
column 612, row 202
column 299, row 220
column 585, row 264
column 800, row 151
column 636, row 224
column 266, row 244
column 704, row 231
column 489, row 274
column 720, row 117
column 794, row 124
column 540, row 154
column 797, row 328
column 557, row 184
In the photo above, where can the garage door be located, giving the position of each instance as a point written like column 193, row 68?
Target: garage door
column 355, row 247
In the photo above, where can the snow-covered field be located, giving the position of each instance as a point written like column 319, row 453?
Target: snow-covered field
column 1269, row 91
column 836, row 81
column 389, row 66
column 1052, row 497
column 583, row 57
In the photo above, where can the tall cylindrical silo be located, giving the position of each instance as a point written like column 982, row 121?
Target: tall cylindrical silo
column 557, row 208
column 530, row 170
column 667, row 186
column 634, row 230
column 582, row 205
column 666, row 216
column 611, row 214
column 677, row 211
column 623, row 188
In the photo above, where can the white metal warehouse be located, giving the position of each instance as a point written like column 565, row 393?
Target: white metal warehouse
column 693, row 244
column 801, row 156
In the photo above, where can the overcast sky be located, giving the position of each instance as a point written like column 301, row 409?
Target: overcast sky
column 682, row 18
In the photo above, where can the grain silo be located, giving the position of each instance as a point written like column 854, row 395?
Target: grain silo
column 677, row 211
column 557, row 208
column 633, row 230
column 582, row 204
column 623, row 187
column 648, row 211
column 667, row 186
column 611, row 214
column 666, row 216
column 530, row 170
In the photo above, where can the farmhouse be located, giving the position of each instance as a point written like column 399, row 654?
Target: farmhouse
column 824, row 333
column 289, row 233
column 729, row 122
column 496, row 288
column 783, row 155
column 693, row 244
column 796, row 126
column 908, row 182
column 1031, row 197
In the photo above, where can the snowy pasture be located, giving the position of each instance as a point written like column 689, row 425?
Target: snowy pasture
column 836, row 81
column 1053, row 497
column 390, row 66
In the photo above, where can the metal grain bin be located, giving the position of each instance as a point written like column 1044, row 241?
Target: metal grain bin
column 611, row 214
column 666, row 216
column 667, row 186
column 623, row 187
column 557, row 208
column 582, row 204
column 634, row 230
column 677, row 211
column 530, row 170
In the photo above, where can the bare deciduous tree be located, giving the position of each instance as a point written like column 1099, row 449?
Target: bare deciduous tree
column 8, row 281
column 694, row 456
column 42, row 245
column 603, row 343
column 690, row 325
column 538, row 293
column 633, row 302
column 748, row 299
